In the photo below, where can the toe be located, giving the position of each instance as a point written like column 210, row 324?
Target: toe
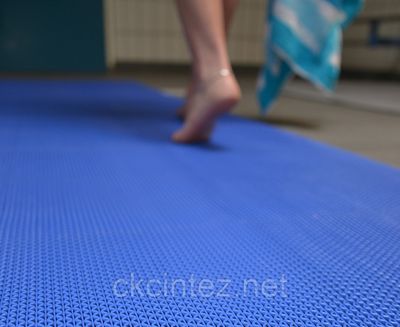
column 189, row 135
column 178, row 136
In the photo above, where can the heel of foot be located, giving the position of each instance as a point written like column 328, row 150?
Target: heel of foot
column 208, row 105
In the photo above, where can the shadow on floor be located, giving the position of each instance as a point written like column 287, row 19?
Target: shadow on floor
column 288, row 122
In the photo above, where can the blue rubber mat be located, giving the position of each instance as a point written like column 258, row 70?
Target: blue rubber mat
column 104, row 222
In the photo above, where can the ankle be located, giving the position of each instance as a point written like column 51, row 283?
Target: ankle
column 203, row 72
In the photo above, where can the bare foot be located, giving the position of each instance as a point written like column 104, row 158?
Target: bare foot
column 215, row 97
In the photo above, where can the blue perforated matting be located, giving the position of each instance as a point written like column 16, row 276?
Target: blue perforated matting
column 104, row 222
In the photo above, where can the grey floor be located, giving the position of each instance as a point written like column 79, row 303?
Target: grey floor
column 372, row 130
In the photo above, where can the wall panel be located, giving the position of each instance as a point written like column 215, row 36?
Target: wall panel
column 149, row 31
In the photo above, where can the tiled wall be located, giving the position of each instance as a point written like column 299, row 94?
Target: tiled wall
column 358, row 55
column 149, row 31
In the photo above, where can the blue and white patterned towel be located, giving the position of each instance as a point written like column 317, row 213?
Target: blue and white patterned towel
column 303, row 37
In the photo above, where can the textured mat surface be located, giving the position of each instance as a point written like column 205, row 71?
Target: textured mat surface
column 103, row 222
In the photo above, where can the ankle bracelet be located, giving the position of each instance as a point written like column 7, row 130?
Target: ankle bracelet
column 223, row 72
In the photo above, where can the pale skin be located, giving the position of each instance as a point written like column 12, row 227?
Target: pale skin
column 210, row 93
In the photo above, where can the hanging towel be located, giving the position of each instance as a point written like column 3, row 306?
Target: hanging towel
column 303, row 37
